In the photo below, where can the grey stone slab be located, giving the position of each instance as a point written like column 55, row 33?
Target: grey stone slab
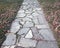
column 44, row 44
column 37, row 9
column 25, row 2
column 27, row 19
column 40, row 11
column 35, row 5
column 13, row 46
column 21, row 11
column 29, row 16
column 18, row 47
column 5, row 46
column 15, row 27
column 17, row 19
column 42, row 19
column 23, row 20
column 36, row 34
column 27, row 42
column 29, row 34
column 25, row 7
column 28, row 24
column 20, row 20
column 20, row 15
column 47, row 34
column 35, row 14
column 23, row 31
column 35, row 20
column 30, row 9
column 27, row 47
column 42, row 26
column 10, row 39
column 27, row 11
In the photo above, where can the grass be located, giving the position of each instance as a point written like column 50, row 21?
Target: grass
column 8, row 11
column 52, row 11
column 5, row 4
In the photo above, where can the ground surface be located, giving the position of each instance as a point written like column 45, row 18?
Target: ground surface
column 52, row 13
column 30, row 29
column 8, row 10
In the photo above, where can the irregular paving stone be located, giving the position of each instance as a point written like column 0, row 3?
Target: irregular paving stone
column 23, row 20
column 35, row 20
column 27, row 42
column 34, row 5
column 37, row 9
column 25, row 7
column 15, row 27
column 25, row 3
column 27, row 11
column 36, row 34
column 42, row 26
column 44, row 44
column 27, row 47
column 29, row 16
column 5, row 47
column 30, row 9
column 35, row 14
column 42, row 19
column 27, row 19
column 20, row 20
column 10, row 39
column 40, row 12
column 21, row 11
column 29, row 34
column 47, row 34
column 23, row 31
column 20, row 15
column 18, row 47
column 28, row 24
column 12, row 46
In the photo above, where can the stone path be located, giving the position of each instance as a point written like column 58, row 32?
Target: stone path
column 30, row 29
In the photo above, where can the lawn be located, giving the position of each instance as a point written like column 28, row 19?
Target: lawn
column 8, row 11
column 51, row 9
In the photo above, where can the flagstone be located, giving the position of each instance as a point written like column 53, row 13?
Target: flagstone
column 29, row 34
column 44, row 44
column 20, row 15
column 28, row 24
column 23, row 31
column 15, row 27
column 36, row 34
column 27, row 42
column 10, row 39
column 47, row 34
column 42, row 26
